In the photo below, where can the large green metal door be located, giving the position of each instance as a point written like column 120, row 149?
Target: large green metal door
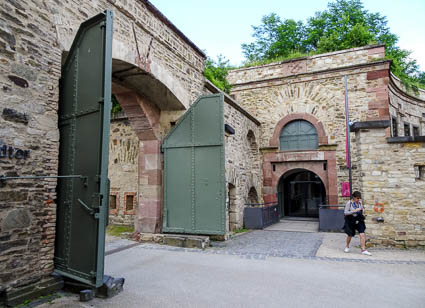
column 194, row 179
column 84, row 116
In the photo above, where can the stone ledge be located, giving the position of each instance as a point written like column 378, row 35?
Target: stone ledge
column 229, row 100
column 405, row 139
column 177, row 240
column 119, row 116
column 369, row 125
column 43, row 287
column 269, row 149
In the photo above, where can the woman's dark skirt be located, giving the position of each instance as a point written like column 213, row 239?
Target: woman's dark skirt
column 354, row 223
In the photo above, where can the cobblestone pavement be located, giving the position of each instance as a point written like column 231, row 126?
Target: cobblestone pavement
column 261, row 244
column 272, row 243
column 288, row 239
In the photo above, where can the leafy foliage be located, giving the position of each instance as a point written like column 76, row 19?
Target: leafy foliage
column 345, row 24
column 216, row 72
column 275, row 38
column 116, row 107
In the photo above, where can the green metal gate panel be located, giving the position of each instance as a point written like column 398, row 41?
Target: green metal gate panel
column 84, row 116
column 194, row 178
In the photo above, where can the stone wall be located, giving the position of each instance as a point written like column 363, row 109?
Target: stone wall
column 390, row 172
column 313, row 64
column 33, row 38
column 123, row 171
column 243, row 165
column 142, row 36
column 29, row 73
column 406, row 107
column 389, row 181
column 314, row 86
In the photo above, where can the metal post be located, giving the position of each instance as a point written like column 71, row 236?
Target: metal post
column 5, row 178
column 348, row 147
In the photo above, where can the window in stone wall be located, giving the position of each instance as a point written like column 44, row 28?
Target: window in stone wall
column 253, row 147
column 406, row 129
column 252, row 196
column 129, row 203
column 113, row 203
column 299, row 135
column 394, row 127
column 415, row 131
column 420, row 172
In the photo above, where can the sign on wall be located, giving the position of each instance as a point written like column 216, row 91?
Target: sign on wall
column 345, row 189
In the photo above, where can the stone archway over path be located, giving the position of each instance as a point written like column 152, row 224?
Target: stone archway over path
column 144, row 118
column 155, row 68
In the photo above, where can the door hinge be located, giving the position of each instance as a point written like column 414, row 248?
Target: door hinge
column 165, row 221
column 96, row 200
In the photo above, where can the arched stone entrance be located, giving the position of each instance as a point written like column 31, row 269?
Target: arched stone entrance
column 320, row 161
column 143, row 97
column 300, row 191
column 157, row 72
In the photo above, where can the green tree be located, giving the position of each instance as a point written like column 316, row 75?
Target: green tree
column 216, row 72
column 345, row 24
column 275, row 38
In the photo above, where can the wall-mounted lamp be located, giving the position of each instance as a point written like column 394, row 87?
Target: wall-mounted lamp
column 228, row 129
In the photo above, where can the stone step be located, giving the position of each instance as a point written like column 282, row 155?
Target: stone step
column 177, row 240
column 39, row 288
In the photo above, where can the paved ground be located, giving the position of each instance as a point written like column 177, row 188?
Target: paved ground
column 267, row 268
column 299, row 225
column 271, row 244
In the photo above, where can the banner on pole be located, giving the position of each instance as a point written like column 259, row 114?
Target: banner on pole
column 345, row 189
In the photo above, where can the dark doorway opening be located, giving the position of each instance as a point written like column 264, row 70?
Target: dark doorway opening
column 300, row 192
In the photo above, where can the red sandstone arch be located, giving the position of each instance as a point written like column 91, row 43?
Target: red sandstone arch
column 282, row 172
column 142, row 96
column 142, row 113
column 317, row 171
column 275, row 164
column 322, row 137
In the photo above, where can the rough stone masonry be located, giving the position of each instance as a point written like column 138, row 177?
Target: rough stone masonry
column 34, row 38
column 387, row 148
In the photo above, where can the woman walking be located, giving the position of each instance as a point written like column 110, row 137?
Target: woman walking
column 354, row 220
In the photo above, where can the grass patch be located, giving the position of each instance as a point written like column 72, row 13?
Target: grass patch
column 292, row 56
column 30, row 303
column 242, row 230
column 119, row 230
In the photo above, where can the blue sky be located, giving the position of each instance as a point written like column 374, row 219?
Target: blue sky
column 221, row 26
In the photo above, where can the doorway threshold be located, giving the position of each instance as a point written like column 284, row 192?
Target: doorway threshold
column 299, row 218
column 291, row 225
